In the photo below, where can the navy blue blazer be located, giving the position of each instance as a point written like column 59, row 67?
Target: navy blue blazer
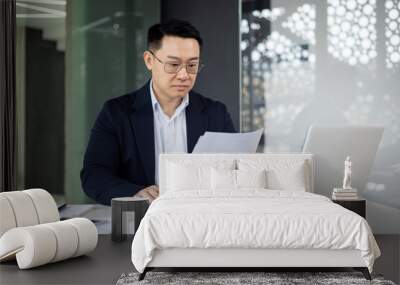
column 119, row 159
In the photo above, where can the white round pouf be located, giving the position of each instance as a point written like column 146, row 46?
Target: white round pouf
column 45, row 205
column 23, row 208
column 7, row 218
column 40, row 244
column 33, row 246
column 87, row 235
column 67, row 240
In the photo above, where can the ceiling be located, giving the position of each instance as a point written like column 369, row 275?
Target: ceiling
column 46, row 15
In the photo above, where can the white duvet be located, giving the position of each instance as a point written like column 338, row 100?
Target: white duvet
column 253, row 218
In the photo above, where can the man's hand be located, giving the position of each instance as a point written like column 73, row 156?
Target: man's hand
column 150, row 192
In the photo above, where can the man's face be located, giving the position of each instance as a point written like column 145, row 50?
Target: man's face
column 173, row 51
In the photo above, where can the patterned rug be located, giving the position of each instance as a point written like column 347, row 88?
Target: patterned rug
column 243, row 278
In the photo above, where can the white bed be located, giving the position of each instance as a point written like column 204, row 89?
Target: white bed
column 203, row 221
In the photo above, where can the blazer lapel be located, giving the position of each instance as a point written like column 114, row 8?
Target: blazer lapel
column 143, row 128
column 196, row 120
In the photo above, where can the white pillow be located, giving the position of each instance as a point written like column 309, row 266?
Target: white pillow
column 223, row 179
column 282, row 174
column 183, row 178
column 288, row 179
column 236, row 179
column 193, row 174
column 251, row 178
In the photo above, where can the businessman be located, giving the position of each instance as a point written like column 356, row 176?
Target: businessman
column 163, row 116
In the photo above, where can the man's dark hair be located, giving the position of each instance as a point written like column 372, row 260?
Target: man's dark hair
column 173, row 27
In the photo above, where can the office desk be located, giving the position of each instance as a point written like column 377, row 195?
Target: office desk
column 110, row 259
column 102, row 266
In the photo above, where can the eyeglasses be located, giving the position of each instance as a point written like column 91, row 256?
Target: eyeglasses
column 174, row 67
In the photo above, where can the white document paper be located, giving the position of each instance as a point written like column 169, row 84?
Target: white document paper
column 213, row 142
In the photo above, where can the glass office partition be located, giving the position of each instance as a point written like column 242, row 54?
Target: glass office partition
column 72, row 55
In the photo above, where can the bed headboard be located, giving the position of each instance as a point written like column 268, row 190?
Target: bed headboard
column 215, row 157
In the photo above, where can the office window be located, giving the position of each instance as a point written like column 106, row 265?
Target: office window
column 334, row 62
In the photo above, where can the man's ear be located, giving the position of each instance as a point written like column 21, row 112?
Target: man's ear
column 148, row 60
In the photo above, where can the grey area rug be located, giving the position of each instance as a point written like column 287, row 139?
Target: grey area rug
column 229, row 278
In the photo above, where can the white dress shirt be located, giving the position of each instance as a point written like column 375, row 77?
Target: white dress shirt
column 169, row 133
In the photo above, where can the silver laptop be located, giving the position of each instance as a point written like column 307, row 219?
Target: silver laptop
column 331, row 145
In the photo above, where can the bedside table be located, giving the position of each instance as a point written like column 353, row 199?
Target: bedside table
column 126, row 214
column 357, row 206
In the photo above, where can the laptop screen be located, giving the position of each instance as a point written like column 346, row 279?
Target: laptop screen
column 330, row 146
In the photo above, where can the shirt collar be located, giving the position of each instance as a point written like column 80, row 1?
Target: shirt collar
column 156, row 105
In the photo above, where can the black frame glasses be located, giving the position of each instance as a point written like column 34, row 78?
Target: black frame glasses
column 174, row 68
